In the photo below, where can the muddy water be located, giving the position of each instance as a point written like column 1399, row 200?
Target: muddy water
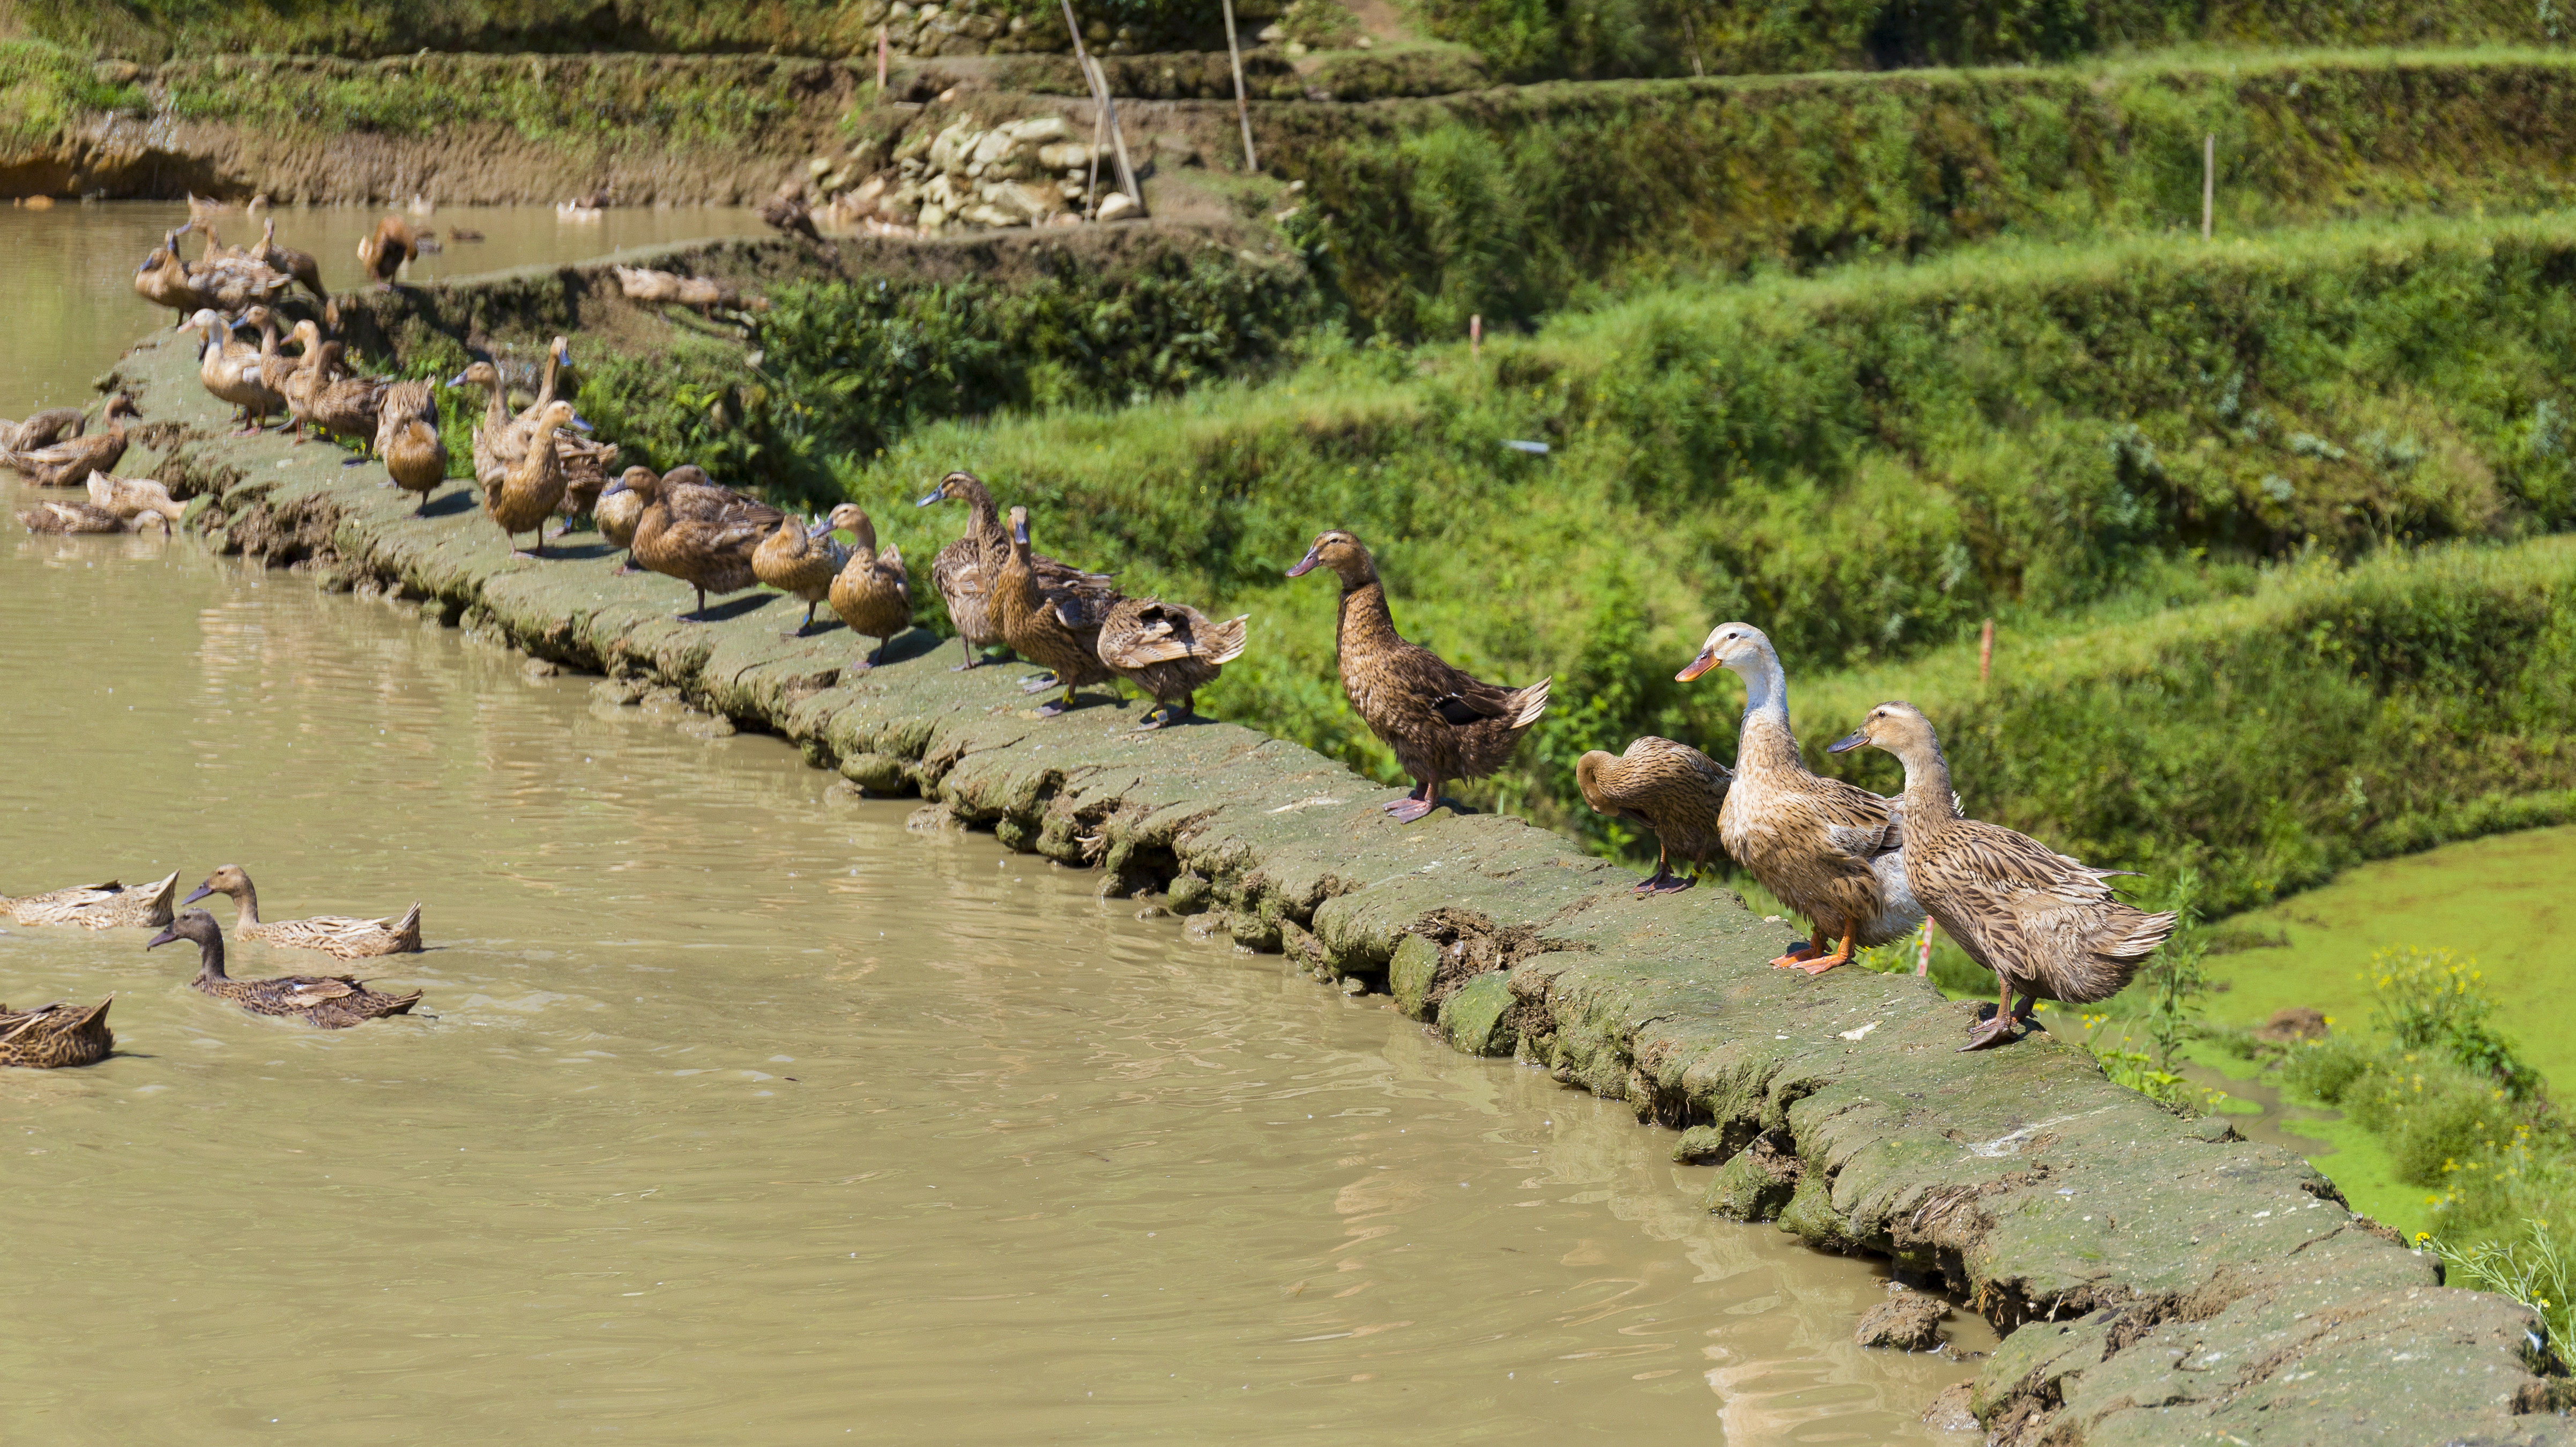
column 69, row 272
column 735, row 1112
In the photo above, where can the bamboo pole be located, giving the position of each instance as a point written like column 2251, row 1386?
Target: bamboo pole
column 881, row 64
column 1099, row 143
column 1986, row 652
column 1100, row 96
column 1242, row 107
column 2208, row 182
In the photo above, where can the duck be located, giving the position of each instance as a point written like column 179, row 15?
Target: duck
column 131, row 499
column 1057, row 629
column 42, row 429
column 498, row 439
column 2046, row 924
column 82, row 517
column 230, row 278
column 98, row 906
column 962, row 570
column 557, row 371
column 1672, row 789
column 53, row 1036
column 526, row 495
column 333, row 934
column 1441, row 722
column 585, row 464
column 69, row 464
column 300, row 265
column 163, row 280
column 229, row 370
column 1170, row 650
column 1830, row 850
column 407, row 439
column 871, row 593
column 801, row 563
column 383, row 251
column 331, row 1002
column 275, row 367
column 339, row 406
column 618, row 510
column 697, row 532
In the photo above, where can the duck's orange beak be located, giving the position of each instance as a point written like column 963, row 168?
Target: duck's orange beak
column 1697, row 666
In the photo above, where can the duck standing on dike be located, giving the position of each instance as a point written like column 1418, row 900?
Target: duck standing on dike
column 1170, row 650
column 330, row 1002
column 697, row 532
column 2047, row 925
column 963, row 571
column 1441, row 722
column 801, row 563
column 407, row 439
column 50, row 1037
column 871, row 593
column 1053, row 626
column 1833, row 851
column 340, row 935
column 1673, row 789
column 526, row 495
column 619, row 509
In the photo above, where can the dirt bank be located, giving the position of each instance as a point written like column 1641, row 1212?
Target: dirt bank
column 2162, row 1280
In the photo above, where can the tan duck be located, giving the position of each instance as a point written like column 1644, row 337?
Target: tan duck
column 297, row 264
column 962, row 571
column 1672, row 789
column 133, row 499
column 1170, row 650
column 163, row 280
column 407, row 439
column 337, row 404
column 1441, row 722
column 51, row 1037
column 229, row 371
column 1830, row 850
column 276, row 367
column 698, row 532
column 69, row 464
column 332, row 1002
column 529, row 491
column 1055, row 628
column 383, row 251
column 871, row 593
column 618, row 510
column 43, row 429
column 82, row 517
column 98, row 906
column 499, row 440
column 2047, row 925
column 801, row 564
column 230, row 278
column 342, row 935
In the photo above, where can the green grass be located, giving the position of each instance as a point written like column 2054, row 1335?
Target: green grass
column 43, row 90
column 2508, row 900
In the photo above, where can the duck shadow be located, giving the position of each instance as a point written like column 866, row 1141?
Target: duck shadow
column 454, row 503
column 557, row 550
column 910, row 644
column 726, row 612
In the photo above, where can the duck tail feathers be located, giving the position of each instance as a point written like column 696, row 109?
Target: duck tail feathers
column 407, row 929
column 1226, row 641
column 1529, row 703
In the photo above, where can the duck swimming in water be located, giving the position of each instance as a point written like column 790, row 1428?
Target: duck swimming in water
column 331, row 1002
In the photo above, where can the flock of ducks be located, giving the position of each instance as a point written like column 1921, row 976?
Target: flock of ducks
column 61, row 1034
column 1862, row 868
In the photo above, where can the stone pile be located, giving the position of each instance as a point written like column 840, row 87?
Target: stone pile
column 1021, row 173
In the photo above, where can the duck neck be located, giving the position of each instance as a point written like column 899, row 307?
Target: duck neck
column 1765, row 740
column 864, row 536
column 496, row 412
column 1929, row 801
column 1365, row 616
column 245, row 906
column 210, row 958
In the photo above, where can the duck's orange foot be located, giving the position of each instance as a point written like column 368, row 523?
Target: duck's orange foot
column 1798, row 956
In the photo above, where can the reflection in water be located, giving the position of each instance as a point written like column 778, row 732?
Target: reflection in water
column 69, row 272
column 736, row 1113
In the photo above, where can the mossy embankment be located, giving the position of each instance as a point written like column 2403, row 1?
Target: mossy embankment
column 2117, row 1242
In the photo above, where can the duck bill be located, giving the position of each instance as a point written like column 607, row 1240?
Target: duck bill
column 1305, row 564
column 1696, row 667
column 820, row 531
column 202, row 891
column 578, row 425
column 457, row 381
column 936, row 494
column 1020, row 532
column 163, row 938
column 615, row 488
column 1848, row 742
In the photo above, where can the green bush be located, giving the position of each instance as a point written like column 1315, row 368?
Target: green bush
column 2429, row 1000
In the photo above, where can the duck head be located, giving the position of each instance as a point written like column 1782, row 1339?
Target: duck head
column 1343, row 554
column 1020, row 533
column 557, row 416
column 1898, row 727
column 228, row 880
column 642, row 481
column 306, row 335
column 478, row 374
column 849, row 518
column 964, row 486
column 199, row 926
column 1737, row 646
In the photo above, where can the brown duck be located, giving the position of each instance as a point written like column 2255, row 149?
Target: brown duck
column 336, row 402
column 1671, row 788
column 163, row 280
column 619, row 509
column 1441, row 723
column 98, row 906
column 1055, row 628
column 346, row 936
column 332, row 1002
column 1170, row 650
column 2047, row 925
column 297, row 264
column 85, row 517
column 799, row 563
column 69, row 464
column 43, row 429
column 871, row 593
column 50, row 1037
column 383, row 251
column 229, row 371
column 962, row 571
column 698, row 532
column 407, row 439
column 1832, row 851
column 529, row 491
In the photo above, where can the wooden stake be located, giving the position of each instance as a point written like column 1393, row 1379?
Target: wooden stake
column 881, row 64
column 1475, row 336
column 2208, row 182
column 1242, row 107
column 1986, row 652
column 1099, row 143
column 1100, row 95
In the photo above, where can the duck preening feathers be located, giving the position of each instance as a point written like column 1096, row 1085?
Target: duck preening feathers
column 1441, row 722
column 407, row 438
column 52, row 1036
column 1055, row 627
column 2047, row 925
column 801, row 563
column 43, row 429
column 871, row 593
column 69, row 463
column 98, row 906
column 1671, row 788
column 963, row 571
column 332, row 1002
column 1830, row 850
column 697, row 532
column 383, row 251
column 341, row 935
column 1170, row 650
